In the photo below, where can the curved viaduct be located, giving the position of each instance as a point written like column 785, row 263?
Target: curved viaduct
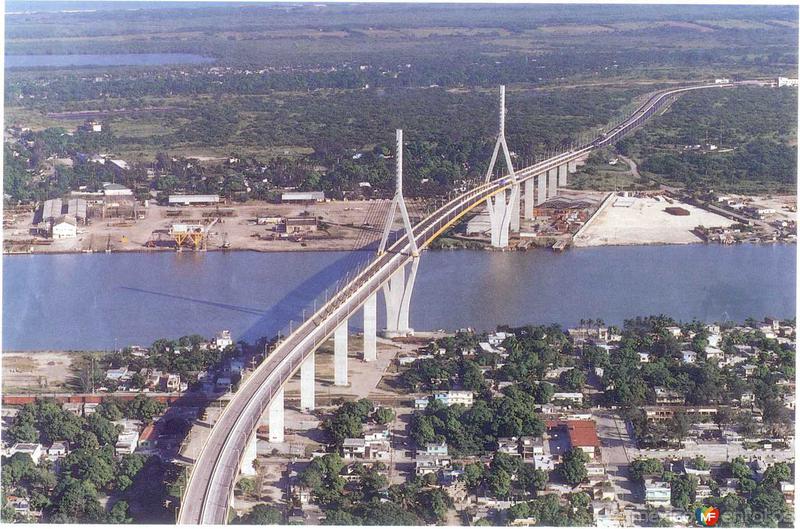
column 210, row 485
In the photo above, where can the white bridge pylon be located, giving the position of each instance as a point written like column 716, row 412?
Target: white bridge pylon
column 397, row 291
column 503, row 208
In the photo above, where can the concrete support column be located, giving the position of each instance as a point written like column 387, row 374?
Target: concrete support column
column 340, row 355
column 552, row 183
column 371, row 328
column 397, row 295
column 249, row 456
column 572, row 167
column 541, row 194
column 562, row 176
column 499, row 218
column 275, row 418
column 515, row 208
column 307, row 376
column 529, row 204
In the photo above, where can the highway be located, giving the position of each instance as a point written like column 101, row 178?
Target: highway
column 213, row 475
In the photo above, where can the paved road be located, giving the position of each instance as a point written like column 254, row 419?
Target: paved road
column 210, row 484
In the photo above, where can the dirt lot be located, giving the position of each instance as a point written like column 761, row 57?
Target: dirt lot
column 342, row 225
column 35, row 372
column 646, row 222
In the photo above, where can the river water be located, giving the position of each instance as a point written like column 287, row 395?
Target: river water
column 99, row 301
column 111, row 59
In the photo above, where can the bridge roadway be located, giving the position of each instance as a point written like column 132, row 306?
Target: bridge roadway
column 210, row 485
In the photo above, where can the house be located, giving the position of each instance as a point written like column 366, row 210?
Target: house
column 64, row 227
column 544, row 462
column 714, row 353
column 605, row 492
column 787, row 489
column 75, row 408
column 148, row 440
column 117, row 190
column 223, row 339
column 90, row 408
column 421, row 404
column 508, row 445
column 454, row 397
column 689, row 357
column 430, row 465
column 532, row 446
column 223, row 384
column 436, row 449
column 127, row 442
column 748, row 397
column 702, row 492
column 576, row 398
column 644, row 358
column 58, row 450
column 666, row 396
column 117, row 374
column 748, row 370
column 172, row 383
column 674, row 331
column 21, row 506
column 34, row 450
column 353, row 448
column 657, row 493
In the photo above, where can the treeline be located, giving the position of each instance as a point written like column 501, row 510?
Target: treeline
column 71, row 493
column 754, row 130
column 449, row 137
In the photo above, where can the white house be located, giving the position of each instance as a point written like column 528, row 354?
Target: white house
column 32, row 449
column 223, row 339
column 64, row 227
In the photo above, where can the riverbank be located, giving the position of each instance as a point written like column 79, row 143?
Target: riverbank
column 345, row 226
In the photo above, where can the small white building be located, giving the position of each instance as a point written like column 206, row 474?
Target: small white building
column 223, row 339
column 569, row 396
column 127, row 442
column 64, row 227
column 116, row 190
column 34, row 450
column 453, row 397
column 657, row 493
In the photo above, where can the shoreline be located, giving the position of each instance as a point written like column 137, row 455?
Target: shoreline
column 326, row 250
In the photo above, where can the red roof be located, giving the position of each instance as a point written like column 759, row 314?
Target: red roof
column 581, row 433
column 149, row 433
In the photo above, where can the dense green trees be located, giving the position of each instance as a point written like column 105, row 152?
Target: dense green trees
column 752, row 128
column 573, row 466
column 348, row 420
column 261, row 514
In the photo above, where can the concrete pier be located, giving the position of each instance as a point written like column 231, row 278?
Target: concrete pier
column 275, row 418
column 307, row 376
column 249, row 457
column 515, row 208
column 340, row 355
column 541, row 194
column 529, row 190
column 397, row 296
column 552, row 180
column 572, row 167
column 499, row 218
column 371, row 328
column 562, row 176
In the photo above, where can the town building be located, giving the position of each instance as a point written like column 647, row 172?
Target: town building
column 127, row 442
column 34, row 450
column 192, row 200
column 223, row 339
column 657, row 493
column 302, row 197
column 454, row 397
column 64, row 227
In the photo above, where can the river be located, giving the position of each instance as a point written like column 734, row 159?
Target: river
column 111, row 59
column 99, row 301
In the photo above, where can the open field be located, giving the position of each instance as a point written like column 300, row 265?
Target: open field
column 42, row 371
column 646, row 222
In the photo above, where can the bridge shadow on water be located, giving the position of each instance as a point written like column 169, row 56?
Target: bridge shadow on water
column 226, row 306
column 290, row 307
